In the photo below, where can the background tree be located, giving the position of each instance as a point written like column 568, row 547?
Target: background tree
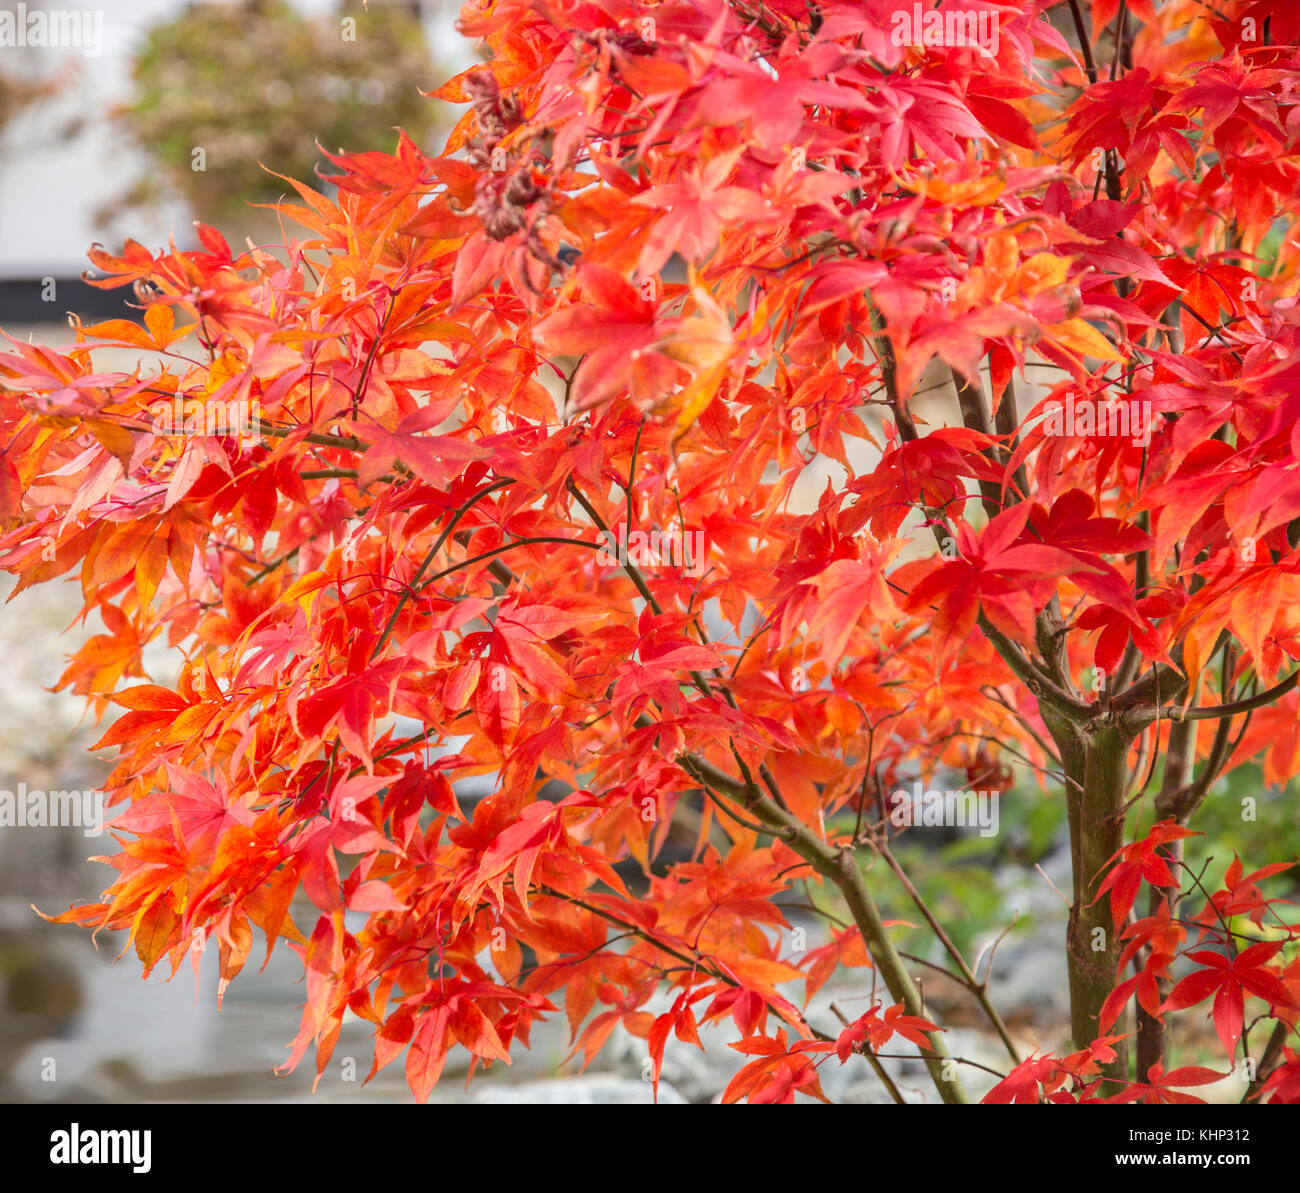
column 428, row 512
column 20, row 90
column 280, row 83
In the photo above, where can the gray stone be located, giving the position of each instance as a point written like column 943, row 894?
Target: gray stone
column 599, row 1089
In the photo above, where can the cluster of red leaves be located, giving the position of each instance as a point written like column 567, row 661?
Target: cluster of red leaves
column 1229, row 971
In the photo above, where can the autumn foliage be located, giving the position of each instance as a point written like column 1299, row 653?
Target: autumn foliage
column 671, row 257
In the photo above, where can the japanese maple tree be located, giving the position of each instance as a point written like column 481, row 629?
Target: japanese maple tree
column 672, row 256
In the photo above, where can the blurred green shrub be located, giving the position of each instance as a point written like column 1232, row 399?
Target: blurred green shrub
column 227, row 86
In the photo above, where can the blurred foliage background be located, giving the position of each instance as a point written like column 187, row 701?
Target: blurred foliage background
column 252, row 83
column 964, row 879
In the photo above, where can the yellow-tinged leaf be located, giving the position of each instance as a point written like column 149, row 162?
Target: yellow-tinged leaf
column 1041, row 272
column 1002, row 254
column 696, row 397
column 226, row 367
column 971, row 192
column 149, row 569
column 121, row 330
column 1080, row 337
column 301, row 590
column 160, row 319
column 116, row 552
column 151, row 932
column 11, row 493
column 116, row 438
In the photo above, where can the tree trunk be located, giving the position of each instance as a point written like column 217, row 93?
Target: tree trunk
column 1097, row 832
column 1180, row 756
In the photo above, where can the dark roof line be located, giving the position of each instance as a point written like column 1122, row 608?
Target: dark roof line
column 49, row 299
